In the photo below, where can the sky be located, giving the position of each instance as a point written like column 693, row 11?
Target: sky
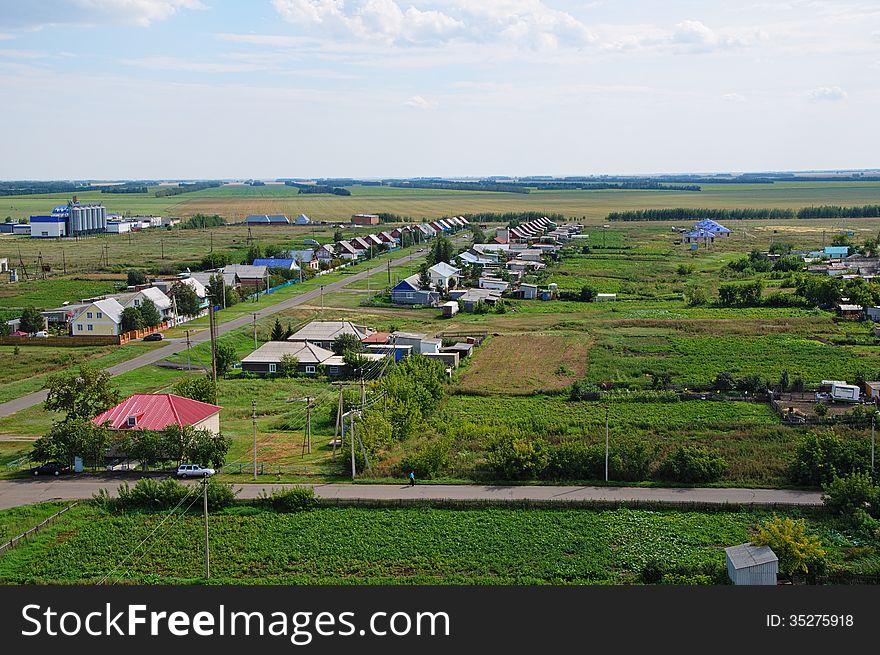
column 166, row 89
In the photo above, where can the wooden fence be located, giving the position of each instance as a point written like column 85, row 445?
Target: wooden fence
column 24, row 536
column 84, row 340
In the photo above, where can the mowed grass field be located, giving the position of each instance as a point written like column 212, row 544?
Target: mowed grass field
column 357, row 546
column 525, row 364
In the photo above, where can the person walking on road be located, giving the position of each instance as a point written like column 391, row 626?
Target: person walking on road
column 412, row 479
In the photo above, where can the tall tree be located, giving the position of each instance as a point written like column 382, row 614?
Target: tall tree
column 135, row 278
column 216, row 288
column 31, row 320
column 441, row 251
column 277, row 331
column 347, row 343
column 186, row 298
column 131, row 320
column 201, row 388
column 149, row 313
column 424, row 277
column 225, row 355
column 80, row 395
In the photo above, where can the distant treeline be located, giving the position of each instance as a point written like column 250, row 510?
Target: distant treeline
column 27, row 187
column 462, row 186
column 199, row 221
column 318, row 188
column 186, row 187
column 834, row 211
column 696, row 214
column 512, row 217
column 345, row 181
column 120, row 188
column 587, row 186
column 658, row 180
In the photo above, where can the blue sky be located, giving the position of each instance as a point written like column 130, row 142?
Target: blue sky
column 113, row 89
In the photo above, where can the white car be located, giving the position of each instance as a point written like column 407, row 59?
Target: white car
column 193, row 471
column 42, row 334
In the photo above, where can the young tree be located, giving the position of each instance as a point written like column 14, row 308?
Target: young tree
column 80, row 395
column 253, row 252
column 149, row 313
column 232, row 297
column 186, row 298
column 588, row 293
column 424, row 277
column 135, row 278
column 277, row 331
column 288, row 365
column 225, row 355
column 32, row 320
column 347, row 343
column 338, row 236
column 201, row 388
column 798, row 551
column 288, row 332
column 74, row 438
column 131, row 320
column 441, row 251
column 217, row 288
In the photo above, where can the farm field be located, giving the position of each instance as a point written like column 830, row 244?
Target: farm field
column 355, row 546
column 525, row 364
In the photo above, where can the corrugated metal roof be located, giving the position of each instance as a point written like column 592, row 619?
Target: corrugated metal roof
column 444, row 270
column 156, row 412
column 328, row 330
column 747, row 554
column 273, row 351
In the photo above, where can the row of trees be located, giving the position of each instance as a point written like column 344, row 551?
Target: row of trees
column 463, row 186
column 835, row 211
column 186, row 187
column 695, row 214
column 202, row 221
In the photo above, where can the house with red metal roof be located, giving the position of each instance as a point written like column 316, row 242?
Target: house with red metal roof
column 147, row 411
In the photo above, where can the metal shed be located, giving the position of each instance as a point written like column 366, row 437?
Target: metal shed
column 748, row 564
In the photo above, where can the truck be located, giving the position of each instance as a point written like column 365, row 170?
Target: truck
column 848, row 393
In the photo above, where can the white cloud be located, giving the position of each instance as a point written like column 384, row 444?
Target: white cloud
column 523, row 22
column 694, row 36
column 733, row 97
column 830, row 93
column 34, row 15
column 6, row 37
column 418, row 102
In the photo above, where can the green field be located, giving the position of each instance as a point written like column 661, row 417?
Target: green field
column 400, row 546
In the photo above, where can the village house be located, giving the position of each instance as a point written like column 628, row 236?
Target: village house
column 285, row 263
column 266, row 360
column 443, row 275
column 144, row 411
column 470, row 298
column 493, row 283
column 249, row 275
column 267, row 219
column 713, row 227
column 408, row 292
column 699, row 236
column 420, row 343
column 322, row 333
column 136, row 299
column 98, row 318
column 347, row 251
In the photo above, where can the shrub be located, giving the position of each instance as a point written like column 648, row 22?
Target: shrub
column 516, row 458
column 295, row 499
column 147, row 493
column 798, row 552
column 583, row 390
column 821, row 456
column 853, row 493
column 429, row 461
column 574, row 460
column 691, row 464
column 220, row 495
column 135, row 278
column 630, row 461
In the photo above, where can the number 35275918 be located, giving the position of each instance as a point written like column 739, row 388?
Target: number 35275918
column 810, row 621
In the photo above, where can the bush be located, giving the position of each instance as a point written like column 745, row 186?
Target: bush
column 295, row 499
column 135, row 278
column 691, row 464
column 583, row 390
column 517, row 458
column 798, row 552
column 149, row 494
column 429, row 461
column 630, row 461
column 821, row 456
column 850, row 494
column 573, row 460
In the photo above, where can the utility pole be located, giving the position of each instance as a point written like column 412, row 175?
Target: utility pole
column 309, row 423
column 188, row 367
column 207, row 551
column 340, row 422
column 322, row 297
column 351, row 439
column 162, row 247
column 255, row 331
column 606, row 443
column 363, row 391
column 389, row 272
column 213, row 342
column 254, row 423
column 873, row 420
column 63, row 262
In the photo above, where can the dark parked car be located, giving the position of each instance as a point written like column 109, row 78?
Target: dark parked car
column 155, row 336
column 52, row 468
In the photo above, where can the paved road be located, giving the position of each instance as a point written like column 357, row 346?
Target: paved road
column 23, row 492
column 176, row 346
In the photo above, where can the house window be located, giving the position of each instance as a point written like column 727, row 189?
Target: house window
column 99, row 315
column 132, row 421
column 410, row 296
column 88, row 314
column 91, row 327
column 79, row 327
column 137, row 302
column 310, row 369
column 273, row 368
column 334, row 370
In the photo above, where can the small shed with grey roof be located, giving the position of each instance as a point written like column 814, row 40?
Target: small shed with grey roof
column 748, row 564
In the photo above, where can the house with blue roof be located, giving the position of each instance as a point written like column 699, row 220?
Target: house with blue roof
column 699, row 236
column 277, row 262
column 408, row 292
column 835, row 252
